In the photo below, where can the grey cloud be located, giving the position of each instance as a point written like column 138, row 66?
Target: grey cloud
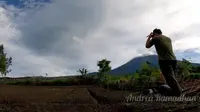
column 56, row 25
column 190, row 31
column 69, row 35
column 51, row 31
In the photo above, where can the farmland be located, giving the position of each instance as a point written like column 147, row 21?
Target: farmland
column 82, row 98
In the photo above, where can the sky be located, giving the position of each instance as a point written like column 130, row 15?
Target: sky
column 59, row 37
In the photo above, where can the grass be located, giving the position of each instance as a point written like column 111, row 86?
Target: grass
column 195, row 76
column 134, row 82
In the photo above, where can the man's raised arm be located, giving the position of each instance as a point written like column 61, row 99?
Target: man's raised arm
column 149, row 42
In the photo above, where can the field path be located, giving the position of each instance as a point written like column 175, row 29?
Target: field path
column 79, row 99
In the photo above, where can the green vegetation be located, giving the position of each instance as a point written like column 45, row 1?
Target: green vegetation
column 195, row 75
column 102, row 75
column 50, row 82
column 5, row 62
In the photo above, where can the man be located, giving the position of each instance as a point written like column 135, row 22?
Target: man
column 166, row 58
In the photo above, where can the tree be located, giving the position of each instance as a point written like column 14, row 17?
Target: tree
column 5, row 62
column 83, row 71
column 104, row 66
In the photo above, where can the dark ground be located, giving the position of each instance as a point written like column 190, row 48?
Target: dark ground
column 81, row 99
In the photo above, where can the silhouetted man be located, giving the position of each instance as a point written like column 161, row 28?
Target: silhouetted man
column 166, row 58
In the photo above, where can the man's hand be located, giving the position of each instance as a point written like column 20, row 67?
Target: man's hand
column 148, row 45
column 150, row 35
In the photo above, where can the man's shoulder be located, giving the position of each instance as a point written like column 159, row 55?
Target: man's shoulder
column 161, row 39
column 160, row 36
column 164, row 36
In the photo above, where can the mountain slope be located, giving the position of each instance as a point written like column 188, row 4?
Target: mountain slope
column 135, row 63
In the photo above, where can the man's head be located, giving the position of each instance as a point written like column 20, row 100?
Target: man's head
column 157, row 32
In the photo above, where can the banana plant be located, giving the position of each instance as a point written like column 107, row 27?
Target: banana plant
column 83, row 71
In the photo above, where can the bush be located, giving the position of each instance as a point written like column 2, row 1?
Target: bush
column 195, row 75
column 23, row 82
column 146, row 77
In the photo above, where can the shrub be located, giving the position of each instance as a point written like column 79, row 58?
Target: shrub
column 195, row 75
column 23, row 82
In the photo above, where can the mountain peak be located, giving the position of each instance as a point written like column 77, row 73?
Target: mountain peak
column 134, row 64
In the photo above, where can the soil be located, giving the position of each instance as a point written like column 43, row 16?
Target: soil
column 85, row 99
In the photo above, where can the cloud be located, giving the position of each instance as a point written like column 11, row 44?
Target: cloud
column 63, row 36
column 25, row 62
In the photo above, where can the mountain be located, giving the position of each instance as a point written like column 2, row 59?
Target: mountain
column 135, row 63
column 132, row 65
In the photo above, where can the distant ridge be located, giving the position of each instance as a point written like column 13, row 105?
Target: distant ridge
column 134, row 64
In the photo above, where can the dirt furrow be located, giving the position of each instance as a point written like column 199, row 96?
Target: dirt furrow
column 77, row 96
column 108, row 97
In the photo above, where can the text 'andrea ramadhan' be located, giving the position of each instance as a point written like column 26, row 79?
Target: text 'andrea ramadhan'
column 159, row 98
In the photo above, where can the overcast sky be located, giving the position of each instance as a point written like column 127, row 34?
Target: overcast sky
column 61, row 36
